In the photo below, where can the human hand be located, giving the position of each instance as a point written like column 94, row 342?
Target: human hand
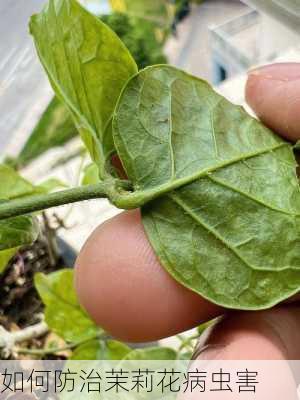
column 122, row 285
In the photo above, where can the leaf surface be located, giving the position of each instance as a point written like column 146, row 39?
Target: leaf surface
column 226, row 219
column 18, row 231
column 15, row 232
column 87, row 65
column 12, row 184
column 54, row 129
column 151, row 353
column 6, row 256
column 90, row 175
column 63, row 313
column 101, row 350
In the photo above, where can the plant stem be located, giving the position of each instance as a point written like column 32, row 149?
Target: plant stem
column 9, row 339
column 53, row 350
column 26, row 205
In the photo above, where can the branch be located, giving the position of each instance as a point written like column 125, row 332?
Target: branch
column 29, row 204
column 53, row 350
column 8, row 340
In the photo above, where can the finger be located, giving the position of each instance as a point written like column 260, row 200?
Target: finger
column 264, row 335
column 245, row 336
column 273, row 92
column 124, row 288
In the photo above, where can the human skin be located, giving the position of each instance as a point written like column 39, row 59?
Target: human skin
column 122, row 285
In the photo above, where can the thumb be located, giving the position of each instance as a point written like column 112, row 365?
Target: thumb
column 273, row 92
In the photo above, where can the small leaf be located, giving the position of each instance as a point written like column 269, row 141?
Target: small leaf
column 87, row 65
column 18, row 231
column 12, row 184
column 63, row 313
column 101, row 350
column 226, row 219
column 90, row 175
column 151, row 353
column 15, row 232
column 6, row 256
column 54, row 129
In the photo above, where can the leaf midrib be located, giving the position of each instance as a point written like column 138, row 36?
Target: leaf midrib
column 141, row 197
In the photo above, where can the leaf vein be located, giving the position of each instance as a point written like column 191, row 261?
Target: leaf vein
column 221, row 239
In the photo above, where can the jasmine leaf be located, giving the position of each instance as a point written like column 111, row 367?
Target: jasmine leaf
column 54, row 129
column 6, row 256
column 90, row 175
column 12, row 184
column 101, row 350
column 63, row 313
column 225, row 221
column 14, row 232
column 17, row 231
column 87, row 65
column 151, row 353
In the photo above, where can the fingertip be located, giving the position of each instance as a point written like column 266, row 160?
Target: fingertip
column 126, row 291
column 273, row 92
column 263, row 335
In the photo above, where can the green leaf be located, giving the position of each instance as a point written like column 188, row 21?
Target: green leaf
column 90, row 175
column 87, row 65
column 6, row 256
column 18, row 231
column 54, row 129
column 151, row 353
column 15, row 232
column 63, row 313
column 101, row 350
column 226, row 219
column 159, row 12
column 139, row 36
column 12, row 184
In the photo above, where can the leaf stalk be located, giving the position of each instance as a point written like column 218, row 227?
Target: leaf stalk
column 30, row 204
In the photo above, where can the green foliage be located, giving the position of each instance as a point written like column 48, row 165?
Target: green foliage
column 6, row 256
column 139, row 37
column 54, row 129
column 151, row 353
column 229, row 230
column 101, row 350
column 13, row 185
column 90, row 77
column 63, row 313
column 23, row 230
column 56, row 126
column 90, row 175
column 18, row 231
column 219, row 193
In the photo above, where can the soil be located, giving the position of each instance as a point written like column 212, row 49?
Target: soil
column 20, row 304
column 19, row 301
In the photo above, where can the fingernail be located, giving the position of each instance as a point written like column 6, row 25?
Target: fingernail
column 284, row 72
